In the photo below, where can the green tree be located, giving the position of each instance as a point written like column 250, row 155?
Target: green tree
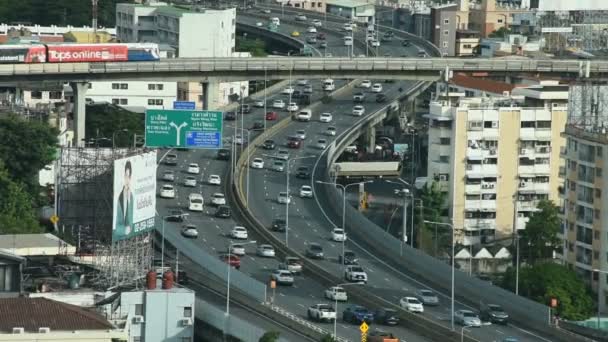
column 500, row 33
column 16, row 213
column 543, row 281
column 327, row 338
column 539, row 239
column 105, row 122
column 26, row 147
column 270, row 336
column 430, row 208
column 256, row 47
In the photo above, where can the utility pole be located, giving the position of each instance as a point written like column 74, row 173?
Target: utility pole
column 94, row 20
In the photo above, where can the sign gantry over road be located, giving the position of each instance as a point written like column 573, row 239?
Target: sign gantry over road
column 184, row 128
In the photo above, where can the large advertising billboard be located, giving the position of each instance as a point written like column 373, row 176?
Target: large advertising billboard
column 87, row 53
column 134, row 199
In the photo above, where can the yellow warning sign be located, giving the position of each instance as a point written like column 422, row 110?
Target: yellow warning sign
column 364, row 327
column 54, row 219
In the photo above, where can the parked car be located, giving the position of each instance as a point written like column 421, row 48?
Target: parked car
column 266, row 251
column 294, row 142
column 411, row 304
column 214, row 180
column 355, row 273
column 259, row 103
column 322, row 144
column 358, row 314
column 193, row 168
column 358, row 110
column 278, row 104
column 365, row 84
column 467, row 318
column 303, row 172
column 190, row 181
column 223, row 211
column 376, row 88
column 283, row 198
column 195, row 202
column 168, row 176
column 237, row 249
column 292, row 107
column 257, row 163
column 278, row 165
column 380, row 98
column 386, row 317
column 325, row 117
column 338, row 235
column 301, row 134
column 359, row 97
column 331, row 130
column 176, row 216
column 230, row 116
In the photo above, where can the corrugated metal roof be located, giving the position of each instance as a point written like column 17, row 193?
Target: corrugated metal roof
column 34, row 313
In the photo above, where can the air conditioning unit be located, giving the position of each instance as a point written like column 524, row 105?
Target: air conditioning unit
column 522, row 151
column 18, row 330
column 494, row 124
column 186, row 322
column 138, row 319
column 44, row 330
column 492, row 152
column 522, row 184
column 469, row 167
column 485, row 186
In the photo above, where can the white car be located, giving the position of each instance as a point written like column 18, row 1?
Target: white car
column 467, row 318
column 239, row 232
column 358, row 110
column 347, row 27
column 195, row 202
column 302, row 82
column 257, row 163
column 338, row 235
column 411, row 304
column 237, row 249
column 365, row 84
column 300, row 17
column 282, row 198
column 331, row 130
column 218, row 199
column 282, row 277
column 321, row 144
column 311, row 29
column 259, row 24
column 355, row 273
column 304, row 115
column 169, row 176
column 336, row 293
column 167, row 191
column 190, row 231
column 375, row 42
column 214, row 179
column 377, row 88
column 292, row 107
column 288, row 91
column 278, row 166
column 306, row 191
column 238, row 139
column 258, row 103
column 194, row 169
column 266, row 251
column 278, row 104
column 325, row 117
column 190, row 181
column 282, row 155
column 301, row 134
column 317, row 23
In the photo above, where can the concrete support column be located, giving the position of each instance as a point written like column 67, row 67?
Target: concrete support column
column 370, row 137
column 211, row 94
column 79, row 90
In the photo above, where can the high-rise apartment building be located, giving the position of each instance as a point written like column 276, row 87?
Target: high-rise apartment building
column 584, row 200
column 497, row 157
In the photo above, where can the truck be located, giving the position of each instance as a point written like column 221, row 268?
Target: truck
column 322, row 313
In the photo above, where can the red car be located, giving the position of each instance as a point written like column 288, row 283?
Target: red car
column 294, row 142
column 271, row 116
column 231, row 259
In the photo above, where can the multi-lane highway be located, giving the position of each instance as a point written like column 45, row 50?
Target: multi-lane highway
column 213, row 232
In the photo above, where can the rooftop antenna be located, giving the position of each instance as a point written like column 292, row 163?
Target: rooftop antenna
column 94, row 21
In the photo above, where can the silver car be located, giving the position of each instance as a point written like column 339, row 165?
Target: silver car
column 282, row 277
column 427, row 297
column 278, row 166
column 467, row 318
column 190, row 181
column 266, row 251
column 169, row 176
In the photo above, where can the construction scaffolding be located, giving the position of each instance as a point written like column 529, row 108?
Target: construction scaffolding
column 588, row 107
column 574, row 30
column 84, row 207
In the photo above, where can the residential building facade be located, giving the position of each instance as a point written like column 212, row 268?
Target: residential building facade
column 443, row 33
column 496, row 158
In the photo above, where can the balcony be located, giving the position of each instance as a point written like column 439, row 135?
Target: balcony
column 521, row 222
column 542, row 169
column 472, row 188
column 527, row 205
column 562, row 172
column 480, row 153
column 490, row 133
column 475, row 224
column 534, row 187
column 486, row 170
column 533, row 133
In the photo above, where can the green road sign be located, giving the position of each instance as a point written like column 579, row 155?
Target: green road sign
column 184, row 128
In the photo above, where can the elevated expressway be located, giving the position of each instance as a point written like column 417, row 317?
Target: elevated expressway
column 213, row 232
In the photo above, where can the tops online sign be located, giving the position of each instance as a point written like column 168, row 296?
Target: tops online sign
column 87, row 53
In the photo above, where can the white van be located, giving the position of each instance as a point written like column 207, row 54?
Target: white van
column 329, row 85
column 348, row 40
column 195, row 202
column 275, row 21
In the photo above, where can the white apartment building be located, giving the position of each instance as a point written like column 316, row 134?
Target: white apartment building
column 133, row 95
column 192, row 33
column 497, row 157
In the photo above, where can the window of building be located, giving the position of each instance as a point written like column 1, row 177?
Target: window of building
column 543, row 124
column 313, row 4
column 598, row 172
column 187, row 311
column 527, row 124
column 115, row 86
column 500, row 21
column 444, row 159
column 55, row 95
column 37, row 95
column 490, row 124
column 596, row 255
column 151, row 86
column 444, row 141
column 446, row 33
column 445, row 44
column 160, row 86
column 90, row 85
column 475, row 125
column 467, row 46
column 446, row 21
column 136, row 338
column 139, row 309
column 584, row 235
column 124, row 86
column 598, row 193
column 155, row 102
column 115, row 101
column 596, row 234
column 124, row 102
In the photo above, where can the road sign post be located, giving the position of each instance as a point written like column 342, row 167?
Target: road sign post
column 364, row 328
column 184, row 128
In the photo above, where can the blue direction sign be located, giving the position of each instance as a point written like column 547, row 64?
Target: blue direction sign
column 187, row 105
column 200, row 139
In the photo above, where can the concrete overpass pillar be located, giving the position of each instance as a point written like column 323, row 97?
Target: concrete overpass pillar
column 79, row 90
column 370, row 137
column 211, row 94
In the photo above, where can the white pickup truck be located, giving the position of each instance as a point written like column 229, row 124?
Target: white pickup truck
column 355, row 273
column 321, row 313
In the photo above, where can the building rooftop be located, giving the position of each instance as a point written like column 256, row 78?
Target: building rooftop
column 348, row 3
column 35, row 244
column 482, row 84
column 34, row 313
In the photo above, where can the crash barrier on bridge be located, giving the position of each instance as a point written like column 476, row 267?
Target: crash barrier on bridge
column 418, row 323
column 215, row 266
column 426, row 45
column 436, row 273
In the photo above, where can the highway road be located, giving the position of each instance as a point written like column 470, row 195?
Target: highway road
column 213, row 231
column 309, row 223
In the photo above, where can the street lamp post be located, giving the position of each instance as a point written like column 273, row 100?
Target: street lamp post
column 229, row 267
column 407, row 193
column 336, row 306
column 517, row 264
column 453, row 240
column 462, row 332
column 599, row 294
column 343, row 187
column 265, row 86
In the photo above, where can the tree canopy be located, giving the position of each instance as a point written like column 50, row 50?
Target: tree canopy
column 270, row 336
column 16, row 212
column 539, row 239
column 256, row 47
column 59, row 12
column 543, row 281
column 109, row 121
